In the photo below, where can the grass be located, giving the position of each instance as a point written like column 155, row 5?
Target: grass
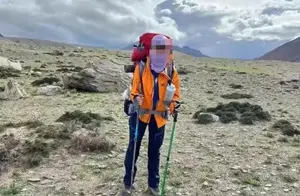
column 12, row 189
column 285, row 127
column 31, row 124
column 31, row 150
column 83, row 117
column 91, row 143
column 247, row 178
column 242, row 69
column 289, row 178
column 245, row 113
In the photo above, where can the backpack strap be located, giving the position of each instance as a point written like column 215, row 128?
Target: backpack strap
column 141, row 69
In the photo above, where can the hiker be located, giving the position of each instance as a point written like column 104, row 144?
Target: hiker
column 148, row 92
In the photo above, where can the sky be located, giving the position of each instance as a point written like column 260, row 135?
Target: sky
column 242, row 29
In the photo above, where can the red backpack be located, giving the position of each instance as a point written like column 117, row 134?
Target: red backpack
column 141, row 51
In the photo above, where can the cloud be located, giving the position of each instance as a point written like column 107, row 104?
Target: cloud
column 108, row 21
column 230, row 26
column 211, row 26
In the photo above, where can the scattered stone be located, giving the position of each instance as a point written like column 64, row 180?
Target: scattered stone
column 206, row 118
column 296, row 185
column 5, row 63
column 55, row 53
column 205, row 184
column 44, row 65
column 236, row 96
column 34, row 180
column 36, row 73
column 13, row 91
column 183, row 71
column 235, row 86
column 50, row 90
column 43, row 182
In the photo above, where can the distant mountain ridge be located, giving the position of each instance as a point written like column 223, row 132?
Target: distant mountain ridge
column 289, row 51
column 185, row 49
column 1, row 35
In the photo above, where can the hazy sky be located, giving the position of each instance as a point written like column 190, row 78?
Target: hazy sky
column 219, row 28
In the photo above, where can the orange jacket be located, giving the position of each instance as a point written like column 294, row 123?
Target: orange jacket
column 148, row 87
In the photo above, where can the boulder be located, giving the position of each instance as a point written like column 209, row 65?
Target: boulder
column 9, row 64
column 13, row 91
column 206, row 118
column 102, row 78
column 50, row 90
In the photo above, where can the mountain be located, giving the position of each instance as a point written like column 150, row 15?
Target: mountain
column 286, row 52
column 185, row 49
column 1, row 35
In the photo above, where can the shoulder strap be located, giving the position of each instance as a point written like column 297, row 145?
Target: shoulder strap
column 141, row 69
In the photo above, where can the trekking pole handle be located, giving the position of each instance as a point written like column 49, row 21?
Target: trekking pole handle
column 175, row 116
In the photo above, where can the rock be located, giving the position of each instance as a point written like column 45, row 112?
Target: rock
column 96, row 78
column 34, row 180
column 13, row 91
column 36, row 73
column 102, row 166
column 206, row 118
column 236, row 167
column 8, row 64
column 205, row 184
column 50, row 90
column 57, row 53
column 43, row 182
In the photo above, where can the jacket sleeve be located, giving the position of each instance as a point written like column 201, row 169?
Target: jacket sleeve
column 135, row 83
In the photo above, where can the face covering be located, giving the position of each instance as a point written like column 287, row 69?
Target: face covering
column 158, row 58
column 158, row 61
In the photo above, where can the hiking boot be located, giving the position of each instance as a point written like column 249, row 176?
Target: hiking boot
column 126, row 191
column 154, row 191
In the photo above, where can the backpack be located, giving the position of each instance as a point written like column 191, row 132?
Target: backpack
column 138, row 57
column 141, row 51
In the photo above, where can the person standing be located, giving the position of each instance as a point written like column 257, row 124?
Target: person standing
column 148, row 92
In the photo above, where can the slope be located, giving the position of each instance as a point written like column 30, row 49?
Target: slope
column 286, row 52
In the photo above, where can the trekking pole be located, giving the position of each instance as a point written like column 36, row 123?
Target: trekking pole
column 135, row 142
column 169, row 153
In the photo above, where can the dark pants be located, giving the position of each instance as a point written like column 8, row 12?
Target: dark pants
column 156, row 137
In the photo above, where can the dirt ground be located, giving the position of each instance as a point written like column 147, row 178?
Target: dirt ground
column 216, row 159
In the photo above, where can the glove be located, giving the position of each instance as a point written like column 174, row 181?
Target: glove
column 174, row 107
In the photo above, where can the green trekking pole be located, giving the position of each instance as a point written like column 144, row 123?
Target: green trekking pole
column 169, row 153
